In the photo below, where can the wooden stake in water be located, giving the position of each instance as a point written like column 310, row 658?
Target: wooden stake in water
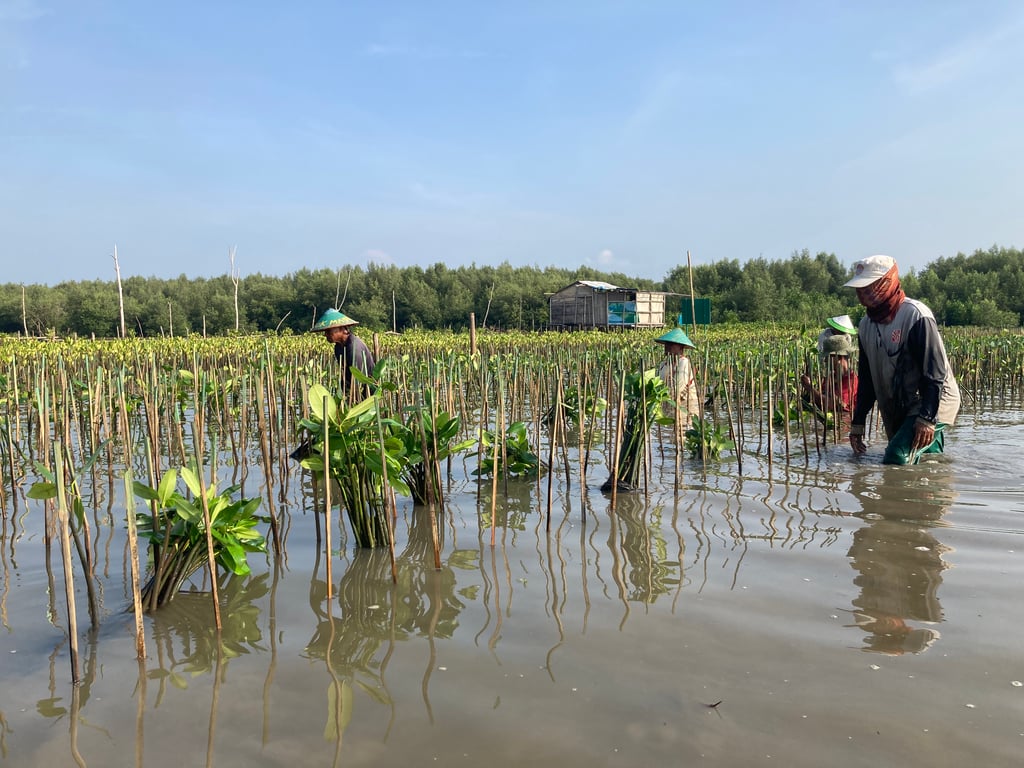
column 64, row 522
column 133, row 552
column 327, row 501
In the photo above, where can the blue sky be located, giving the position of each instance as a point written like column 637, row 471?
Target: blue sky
column 612, row 134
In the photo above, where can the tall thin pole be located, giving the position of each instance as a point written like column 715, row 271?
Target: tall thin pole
column 120, row 292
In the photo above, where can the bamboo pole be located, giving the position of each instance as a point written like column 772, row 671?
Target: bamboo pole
column 63, row 519
column 133, row 551
column 198, row 419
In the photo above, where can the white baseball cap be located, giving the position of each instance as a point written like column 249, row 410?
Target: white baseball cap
column 866, row 271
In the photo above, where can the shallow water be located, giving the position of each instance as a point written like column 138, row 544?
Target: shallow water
column 831, row 611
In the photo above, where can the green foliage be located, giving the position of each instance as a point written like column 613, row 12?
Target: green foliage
column 177, row 531
column 705, row 440
column 511, row 456
column 357, row 449
column 429, row 437
column 985, row 288
column 577, row 408
column 643, row 393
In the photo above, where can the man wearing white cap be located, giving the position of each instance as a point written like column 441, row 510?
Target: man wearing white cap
column 903, row 367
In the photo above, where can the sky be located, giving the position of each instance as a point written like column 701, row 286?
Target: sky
column 617, row 135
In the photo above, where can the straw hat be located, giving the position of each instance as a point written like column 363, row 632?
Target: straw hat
column 333, row 318
column 842, row 323
column 675, row 336
column 840, row 344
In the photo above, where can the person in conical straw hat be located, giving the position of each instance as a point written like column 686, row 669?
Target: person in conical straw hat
column 838, row 324
column 677, row 373
column 838, row 387
column 349, row 349
column 903, row 367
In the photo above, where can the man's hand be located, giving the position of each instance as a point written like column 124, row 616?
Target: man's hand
column 924, row 433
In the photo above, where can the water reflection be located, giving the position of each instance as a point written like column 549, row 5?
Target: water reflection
column 185, row 633
column 897, row 558
column 375, row 610
column 643, row 568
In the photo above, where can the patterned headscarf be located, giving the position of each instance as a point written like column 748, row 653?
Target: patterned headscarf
column 883, row 297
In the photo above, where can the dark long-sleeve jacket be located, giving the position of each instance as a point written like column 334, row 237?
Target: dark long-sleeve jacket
column 903, row 368
column 353, row 352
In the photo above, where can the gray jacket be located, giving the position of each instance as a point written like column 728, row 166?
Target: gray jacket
column 904, row 369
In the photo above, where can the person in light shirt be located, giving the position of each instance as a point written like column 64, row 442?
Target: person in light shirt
column 677, row 373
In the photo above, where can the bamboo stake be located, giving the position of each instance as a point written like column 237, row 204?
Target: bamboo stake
column 65, row 542
column 133, row 550
column 327, row 501
column 198, row 418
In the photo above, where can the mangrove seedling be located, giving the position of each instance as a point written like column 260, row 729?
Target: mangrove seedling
column 511, row 456
column 707, row 440
column 177, row 533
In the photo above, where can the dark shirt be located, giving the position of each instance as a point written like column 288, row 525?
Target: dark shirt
column 354, row 352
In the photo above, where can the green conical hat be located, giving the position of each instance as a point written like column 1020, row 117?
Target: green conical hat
column 333, row 318
column 676, row 336
column 842, row 323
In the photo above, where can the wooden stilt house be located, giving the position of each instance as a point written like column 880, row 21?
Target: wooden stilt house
column 596, row 304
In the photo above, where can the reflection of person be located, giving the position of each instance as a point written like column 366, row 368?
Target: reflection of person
column 898, row 561
column 349, row 349
column 677, row 373
column 838, row 388
column 902, row 367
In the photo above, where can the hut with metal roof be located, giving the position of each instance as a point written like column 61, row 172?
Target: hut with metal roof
column 596, row 304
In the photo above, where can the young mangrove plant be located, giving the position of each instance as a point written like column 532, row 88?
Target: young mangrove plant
column 578, row 407
column 643, row 394
column 176, row 532
column 511, row 456
column 357, row 459
column 706, row 440
column 429, row 438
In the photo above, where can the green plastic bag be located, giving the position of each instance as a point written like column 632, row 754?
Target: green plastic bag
column 898, row 450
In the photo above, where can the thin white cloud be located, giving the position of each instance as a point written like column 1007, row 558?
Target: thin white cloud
column 604, row 259
column 969, row 58
column 378, row 257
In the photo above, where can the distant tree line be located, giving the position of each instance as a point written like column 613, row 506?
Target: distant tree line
column 983, row 289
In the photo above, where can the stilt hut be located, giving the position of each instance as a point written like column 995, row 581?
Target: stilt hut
column 596, row 304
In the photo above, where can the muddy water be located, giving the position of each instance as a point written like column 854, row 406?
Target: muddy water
column 825, row 611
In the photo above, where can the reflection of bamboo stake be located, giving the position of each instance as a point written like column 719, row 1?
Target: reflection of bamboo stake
column 65, row 540
column 74, row 714
column 133, row 551
column 217, row 674
column 389, row 506
column 140, row 711
column 272, row 666
column 336, row 683
column 327, row 501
